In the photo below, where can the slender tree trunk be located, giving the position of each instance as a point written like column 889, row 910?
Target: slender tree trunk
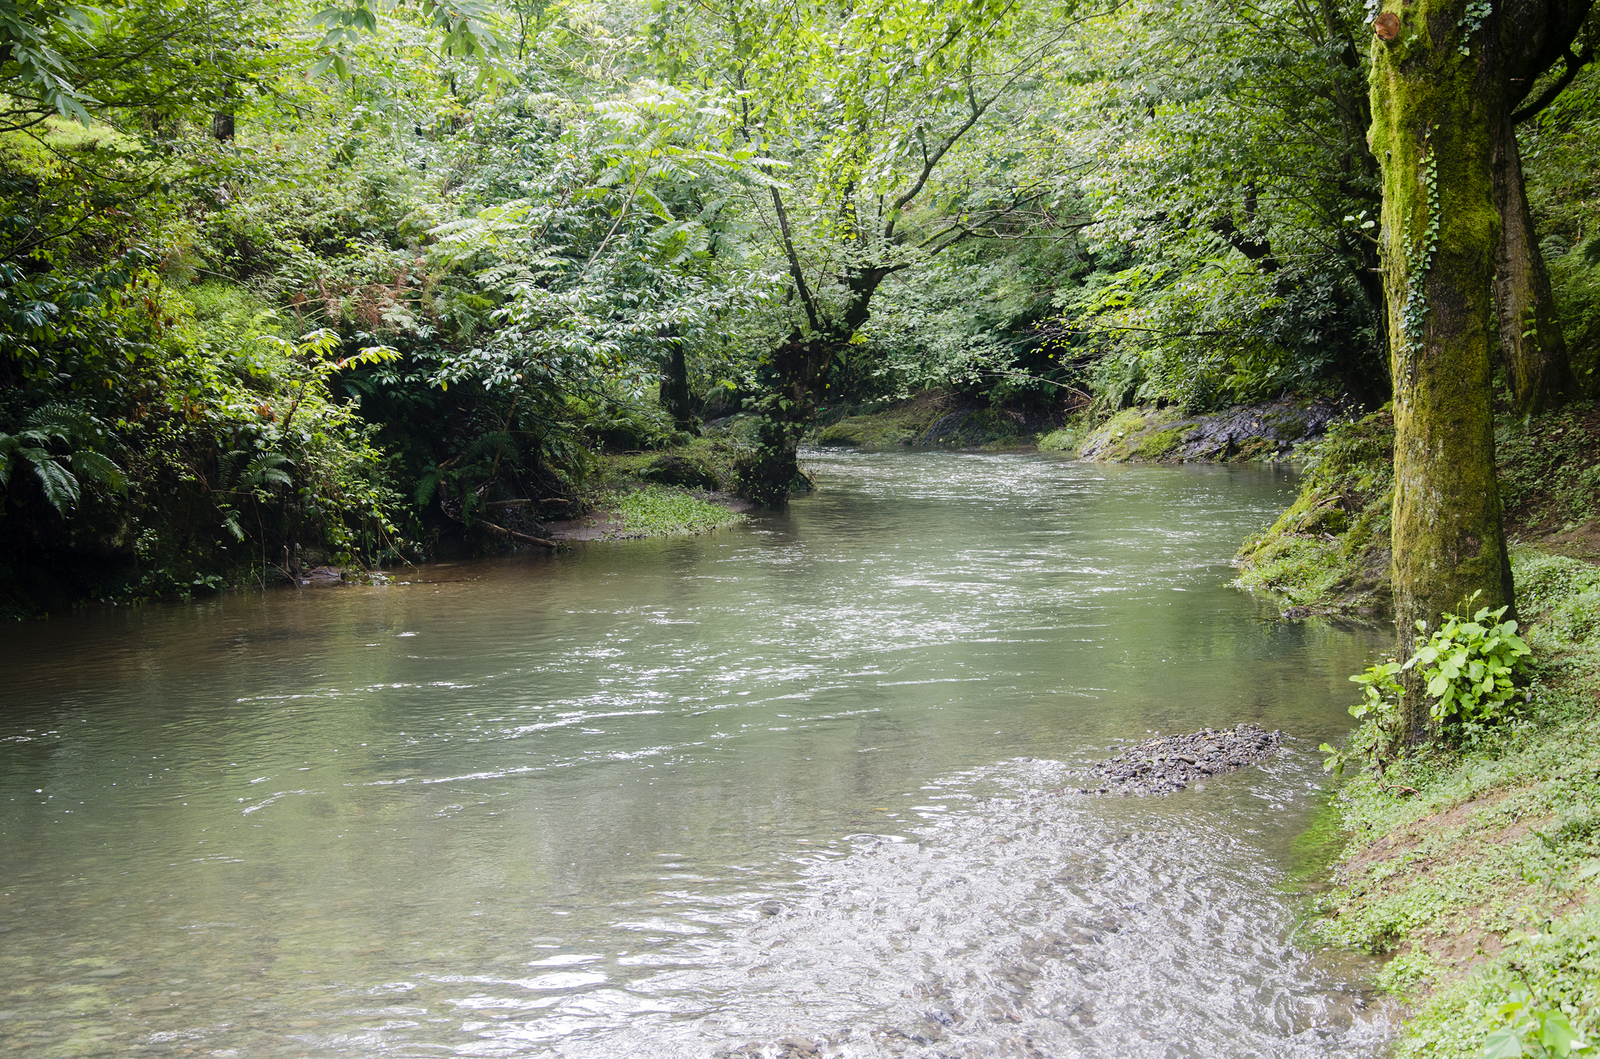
column 1531, row 342
column 675, row 386
column 1437, row 104
column 1370, row 372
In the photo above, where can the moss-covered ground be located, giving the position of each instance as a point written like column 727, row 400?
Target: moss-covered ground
column 935, row 417
column 1329, row 552
column 660, row 493
column 1132, row 434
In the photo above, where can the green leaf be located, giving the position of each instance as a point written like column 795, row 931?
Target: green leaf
column 60, row 487
column 1503, row 1043
column 95, row 467
column 1559, row 1036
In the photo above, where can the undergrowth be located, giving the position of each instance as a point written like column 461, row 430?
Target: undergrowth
column 1475, row 869
column 1549, row 467
column 711, row 459
column 1330, row 548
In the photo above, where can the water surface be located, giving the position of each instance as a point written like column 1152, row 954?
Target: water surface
column 802, row 783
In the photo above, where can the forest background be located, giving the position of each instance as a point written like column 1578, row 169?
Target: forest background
column 294, row 285
column 290, row 284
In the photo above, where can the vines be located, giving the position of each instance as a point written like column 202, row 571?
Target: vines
column 1415, row 309
column 1471, row 19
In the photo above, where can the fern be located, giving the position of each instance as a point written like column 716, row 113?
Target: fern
column 60, row 474
column 261, row 472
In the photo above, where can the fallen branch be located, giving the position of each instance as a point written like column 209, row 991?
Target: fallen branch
column 528, row 500
column 514, row 535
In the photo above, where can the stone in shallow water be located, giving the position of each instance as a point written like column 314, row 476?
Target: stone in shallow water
column 1170, row 763
column 106, row 972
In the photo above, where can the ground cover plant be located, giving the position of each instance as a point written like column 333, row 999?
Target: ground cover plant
column 1474, row 867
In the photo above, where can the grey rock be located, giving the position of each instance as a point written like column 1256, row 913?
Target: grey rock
column 1170, row 763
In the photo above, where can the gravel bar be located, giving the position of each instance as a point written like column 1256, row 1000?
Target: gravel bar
column 1172, row 762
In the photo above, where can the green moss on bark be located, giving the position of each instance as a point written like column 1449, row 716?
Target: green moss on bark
column 1436, row 103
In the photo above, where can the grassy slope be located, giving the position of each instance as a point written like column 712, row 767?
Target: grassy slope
column 1475, row 870
column 1483, row 880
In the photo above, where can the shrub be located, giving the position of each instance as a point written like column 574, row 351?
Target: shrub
column 1470, row 670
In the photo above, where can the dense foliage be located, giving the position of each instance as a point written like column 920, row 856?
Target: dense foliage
column 286, row 285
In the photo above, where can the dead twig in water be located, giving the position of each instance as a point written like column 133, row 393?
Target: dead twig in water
column 514, row 535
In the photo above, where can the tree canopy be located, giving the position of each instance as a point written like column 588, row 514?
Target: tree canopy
column 348, row 279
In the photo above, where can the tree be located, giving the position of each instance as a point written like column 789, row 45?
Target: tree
column 1442, row 77
column 1531, row 342
column 868, row 118
column 1233, row 167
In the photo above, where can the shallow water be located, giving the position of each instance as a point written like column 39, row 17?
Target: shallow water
column 800, row 784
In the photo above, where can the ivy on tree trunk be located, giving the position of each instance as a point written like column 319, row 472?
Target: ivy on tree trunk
column 1441, row 72
column 800, row 367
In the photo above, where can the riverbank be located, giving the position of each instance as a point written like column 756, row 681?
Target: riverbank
column 1268, row 430
column 1477, row 871
column 683, row 490
column 1328, row 553
column 689, row 487
column 1473, row 869
column 684, row 486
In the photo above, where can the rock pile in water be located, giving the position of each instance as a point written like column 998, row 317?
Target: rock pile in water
column 1170, row 763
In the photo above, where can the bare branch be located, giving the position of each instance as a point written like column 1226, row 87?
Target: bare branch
column 1575, row 63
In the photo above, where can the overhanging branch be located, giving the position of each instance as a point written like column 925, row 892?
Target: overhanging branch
column 1575, row 63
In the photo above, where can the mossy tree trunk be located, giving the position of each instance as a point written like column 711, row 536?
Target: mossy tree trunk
column 1440, row 97
column 1531, row 342
column 799, row 369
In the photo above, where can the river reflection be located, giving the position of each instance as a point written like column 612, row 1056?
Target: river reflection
column 796, row 785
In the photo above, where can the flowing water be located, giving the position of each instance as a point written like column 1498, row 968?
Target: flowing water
column 805, row 786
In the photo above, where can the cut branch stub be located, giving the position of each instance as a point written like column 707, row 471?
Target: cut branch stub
column 1387, row 26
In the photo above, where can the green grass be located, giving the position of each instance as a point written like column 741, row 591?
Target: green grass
column 667, row 511
column 1484, row 878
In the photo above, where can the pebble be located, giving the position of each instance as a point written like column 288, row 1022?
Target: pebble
column 1170, row 763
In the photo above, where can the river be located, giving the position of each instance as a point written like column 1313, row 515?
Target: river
column 803, row 786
